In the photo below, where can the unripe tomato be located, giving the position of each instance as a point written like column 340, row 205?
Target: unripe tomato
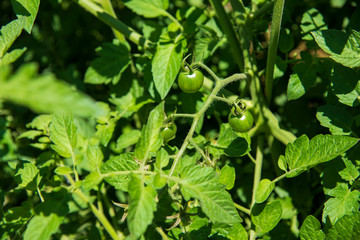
column 191, row 82
column 242, row 122
column 168, row 133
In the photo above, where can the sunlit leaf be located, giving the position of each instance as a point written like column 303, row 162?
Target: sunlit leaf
column 166, row 64
column 311, row 229
column 141, row 206
column 63, row 134
column 343, row 201
column 303, row 153
column 150, row 140
column 266, row 216
column 148, row 8
column 116, row 170
column 27, row 9
column 203, row 183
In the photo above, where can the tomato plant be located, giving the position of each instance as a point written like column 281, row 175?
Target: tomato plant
column 265, row 147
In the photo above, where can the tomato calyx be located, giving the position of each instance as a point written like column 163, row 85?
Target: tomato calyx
column 238, row 108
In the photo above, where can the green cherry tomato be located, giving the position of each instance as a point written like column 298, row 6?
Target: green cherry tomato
column 191, row 82
column 241, row 123
column 168, row 133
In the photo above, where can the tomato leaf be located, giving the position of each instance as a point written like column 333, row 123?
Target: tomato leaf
column 343, row 201
column 230, row 143
column 311, row 229
column 302, row 78
column 94, row 158
column 148, row 8
column 346, row 228
column 311, row 20
column 12, row 56
column 8, row 34
column 28, row 176
column 48, row 217
column 150, row 140
column 337, row 119
column 27, row 8
column 63, row 134
column 227, row 176
column 342, row 47
column 141, row 206
column 264, row 190
column 266, row 216
column 303, row 154
column 203, row 183
column 166, row 64
column 346, row 85
column 116, row 170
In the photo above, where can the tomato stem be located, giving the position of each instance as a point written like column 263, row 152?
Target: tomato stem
column 189, row 68
column 220, row 84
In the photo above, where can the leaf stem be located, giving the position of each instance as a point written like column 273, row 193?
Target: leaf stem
column 229, row 102
column 162, row 233
column 274, row 39
column 39, row 193
column 251, row 158
column 106, row 4
column 206, row 68
column 243, row 209
column 174, row 20
column 100, row 216
column 185, row 115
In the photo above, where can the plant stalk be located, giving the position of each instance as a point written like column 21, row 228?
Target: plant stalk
column 101, row 217
column 274, row 39
column 219, row 85
column 257, row 175
column 230, row 33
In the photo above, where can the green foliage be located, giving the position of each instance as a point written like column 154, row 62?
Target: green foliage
column 166, row 63
column 266, row 216
column 141, row 207
column 303, row 154
column 107, row 68
column 82, row 152
column 44, row 93
column 148, row 8
column 27, row 9
column 263, row 190
column 203, row 184
column 344, row 48
column 311, row 229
